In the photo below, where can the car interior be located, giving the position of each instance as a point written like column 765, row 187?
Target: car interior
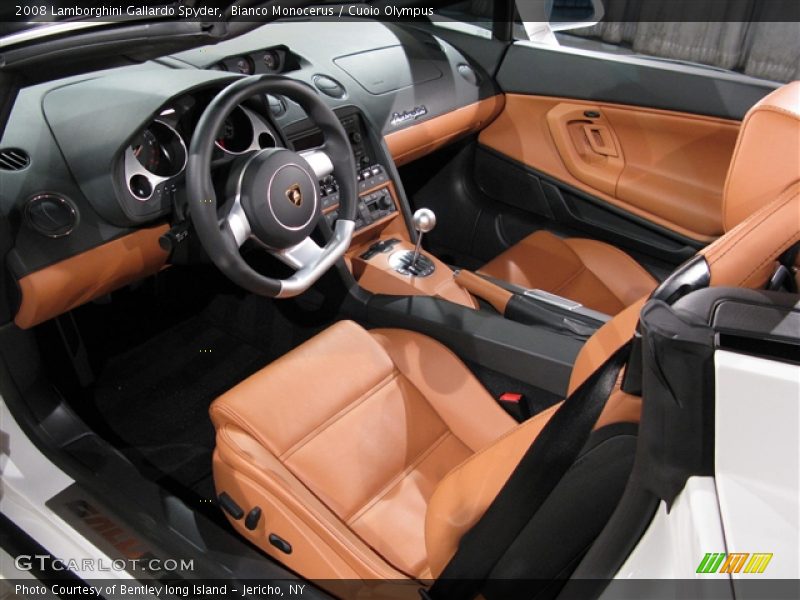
column 302, row 300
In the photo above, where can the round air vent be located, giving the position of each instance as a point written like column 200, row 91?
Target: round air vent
column 14, row 159
column 468, row 73
column 329, row 86
column 51, row 215
column 277, row 106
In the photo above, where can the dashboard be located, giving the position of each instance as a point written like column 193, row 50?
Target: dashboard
column 105, row 154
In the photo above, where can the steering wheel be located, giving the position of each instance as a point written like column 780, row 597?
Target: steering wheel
column 272, row 195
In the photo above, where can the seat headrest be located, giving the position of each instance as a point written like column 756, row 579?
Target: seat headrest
column 766, row 159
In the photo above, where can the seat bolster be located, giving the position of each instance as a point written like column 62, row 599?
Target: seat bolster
column 322, row 546
column 746, row 255
column 466, row 492
column 623, row 276
column 459, row 399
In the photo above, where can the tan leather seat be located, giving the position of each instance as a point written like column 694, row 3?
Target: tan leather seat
column 604, row 278
column 373, row 452
column 344, row 443
column 596, row 274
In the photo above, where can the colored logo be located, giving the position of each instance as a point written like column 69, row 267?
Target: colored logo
column 294, row 194
column 734, row 562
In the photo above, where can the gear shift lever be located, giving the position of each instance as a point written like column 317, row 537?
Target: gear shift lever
column 424, row 222
column 416, row 264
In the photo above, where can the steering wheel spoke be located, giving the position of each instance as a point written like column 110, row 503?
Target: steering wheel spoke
column 319, row 161
column 310, row 261
column 237, row 224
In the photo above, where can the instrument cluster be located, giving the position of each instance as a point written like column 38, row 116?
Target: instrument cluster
column 155, row 160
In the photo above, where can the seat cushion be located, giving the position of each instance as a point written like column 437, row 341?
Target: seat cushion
column 342, row 442
column 593, row 273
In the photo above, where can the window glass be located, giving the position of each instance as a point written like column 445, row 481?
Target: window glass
column 768, row 50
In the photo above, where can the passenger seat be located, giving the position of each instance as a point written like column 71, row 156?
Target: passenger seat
column 603, row 278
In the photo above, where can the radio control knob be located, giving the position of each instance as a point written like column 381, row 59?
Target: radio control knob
column 355, row 137
column 385, row 202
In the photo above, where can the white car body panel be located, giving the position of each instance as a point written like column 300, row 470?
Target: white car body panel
column 758, row 459
column 750, row 506
column 676, row 540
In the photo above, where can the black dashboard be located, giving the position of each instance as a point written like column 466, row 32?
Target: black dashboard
column 106, row 153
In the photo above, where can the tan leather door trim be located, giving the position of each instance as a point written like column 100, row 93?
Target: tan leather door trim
column 670, row 167
column 423, row 138
column 64, row 285
column 587, row 146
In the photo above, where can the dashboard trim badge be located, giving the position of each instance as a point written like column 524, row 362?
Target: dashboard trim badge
column 398, row 118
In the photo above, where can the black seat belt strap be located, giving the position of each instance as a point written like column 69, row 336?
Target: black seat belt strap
column 542, row 466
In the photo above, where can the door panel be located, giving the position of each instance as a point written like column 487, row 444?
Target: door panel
column 665, row 167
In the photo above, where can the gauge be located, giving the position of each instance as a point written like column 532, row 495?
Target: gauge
column 160, row 150
column 219, row 67
column 272, row 60
column 145, row 149
column 244, row 65
column 236, row 134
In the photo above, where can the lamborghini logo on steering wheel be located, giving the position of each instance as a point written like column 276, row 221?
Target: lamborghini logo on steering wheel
column 294, row 194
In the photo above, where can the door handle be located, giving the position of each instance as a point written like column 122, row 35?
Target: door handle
column 600, row 140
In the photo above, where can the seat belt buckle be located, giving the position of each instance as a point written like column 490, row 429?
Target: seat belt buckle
column 515, row 405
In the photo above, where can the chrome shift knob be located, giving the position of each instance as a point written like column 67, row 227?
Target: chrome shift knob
column 424, row 220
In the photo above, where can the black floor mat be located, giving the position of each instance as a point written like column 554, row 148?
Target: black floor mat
column 152, row 401
column 155, row 398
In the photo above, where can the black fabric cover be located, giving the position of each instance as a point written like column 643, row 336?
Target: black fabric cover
column 559, row 534
column 677, row 425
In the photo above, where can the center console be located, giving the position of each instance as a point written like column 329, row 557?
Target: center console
column 380, row 255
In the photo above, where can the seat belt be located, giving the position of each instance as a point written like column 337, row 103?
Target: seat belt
column 542, row 467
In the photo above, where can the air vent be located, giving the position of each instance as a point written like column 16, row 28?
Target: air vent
column 14, row 159
column 51, row 215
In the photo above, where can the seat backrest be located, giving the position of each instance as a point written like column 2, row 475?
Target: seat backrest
column 766, row 159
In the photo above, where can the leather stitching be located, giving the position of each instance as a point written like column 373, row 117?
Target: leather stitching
column 571, row 279
column 743, row 229
column 772, row 256
column 336, row 417
column 394, row 481
column 542, row 416
column 624, row 257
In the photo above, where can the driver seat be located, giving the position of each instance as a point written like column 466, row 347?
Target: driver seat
column 371, row 452
column 368, row 454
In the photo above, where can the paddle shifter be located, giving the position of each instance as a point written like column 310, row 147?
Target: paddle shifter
column 416, row 264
